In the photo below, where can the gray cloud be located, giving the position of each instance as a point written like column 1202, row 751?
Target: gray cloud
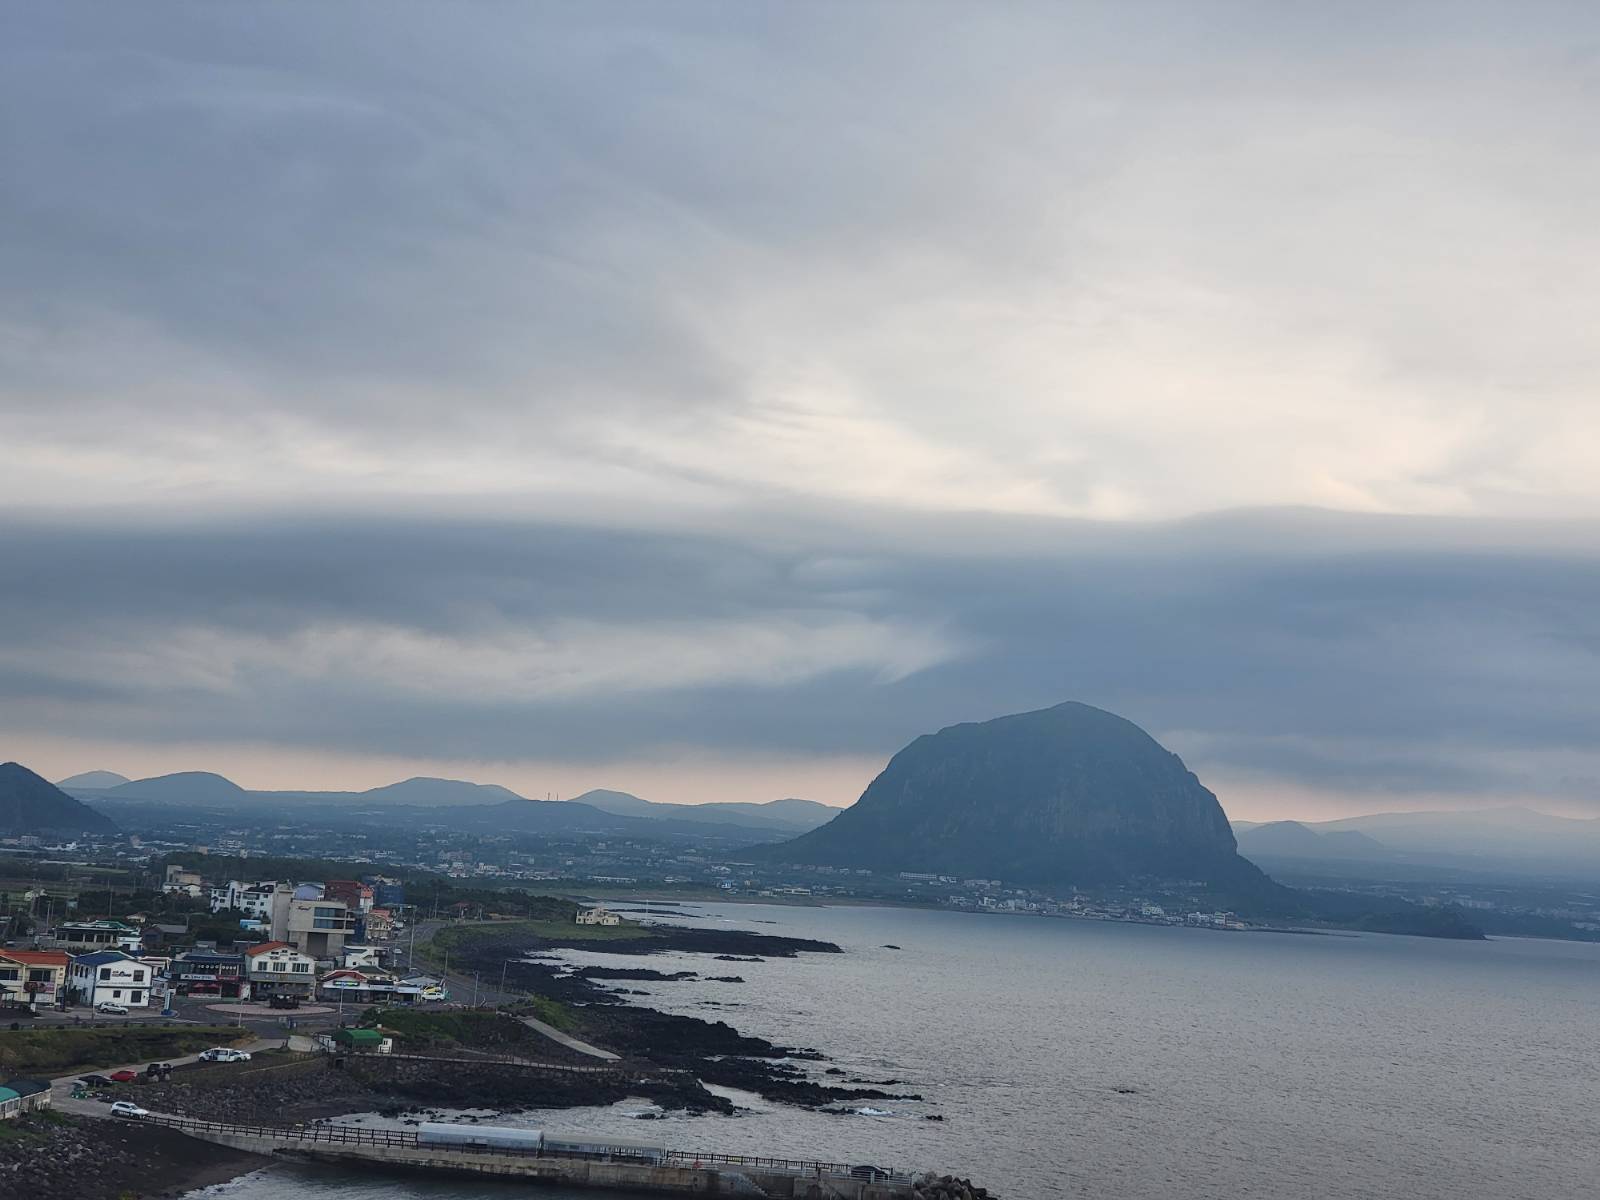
column 589, row 382
column 1396, row 667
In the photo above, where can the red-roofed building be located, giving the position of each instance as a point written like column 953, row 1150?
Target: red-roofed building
column 33, row 977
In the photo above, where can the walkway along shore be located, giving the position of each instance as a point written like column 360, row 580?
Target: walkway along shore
column 676, row 1172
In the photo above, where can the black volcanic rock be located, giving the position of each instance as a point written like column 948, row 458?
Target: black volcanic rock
column 30, row 804
column 1070, row 794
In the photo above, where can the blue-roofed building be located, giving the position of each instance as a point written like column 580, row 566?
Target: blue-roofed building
column 110, row 977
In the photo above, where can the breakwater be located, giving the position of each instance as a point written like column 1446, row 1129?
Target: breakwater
column 672, row 1172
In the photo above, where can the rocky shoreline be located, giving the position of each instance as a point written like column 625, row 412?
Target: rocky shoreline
column 53, row 1156
column 712, row 1051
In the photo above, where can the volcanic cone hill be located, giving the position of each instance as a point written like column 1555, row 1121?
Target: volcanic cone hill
column 30, row 804
column 1070, row 794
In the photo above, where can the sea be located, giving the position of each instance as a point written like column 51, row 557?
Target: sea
column 1130, row 1062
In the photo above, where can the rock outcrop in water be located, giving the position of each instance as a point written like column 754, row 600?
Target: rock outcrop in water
column 1070, row 794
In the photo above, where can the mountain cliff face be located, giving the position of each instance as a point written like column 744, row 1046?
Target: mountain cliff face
column 1067, row 794
column 30, row 804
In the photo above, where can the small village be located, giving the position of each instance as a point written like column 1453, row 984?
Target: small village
column 296, row 943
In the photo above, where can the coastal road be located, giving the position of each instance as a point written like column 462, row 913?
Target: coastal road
column 463, row 987
column 61, row 1089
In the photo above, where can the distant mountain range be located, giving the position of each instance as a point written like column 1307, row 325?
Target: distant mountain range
column 1497, row 839
column 1293, row 839
column 791, row 813
column 98, row 780
column 1066, row 795
column 31, row 805
column 599, row 810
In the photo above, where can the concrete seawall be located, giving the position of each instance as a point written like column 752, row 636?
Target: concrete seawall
column 400, row 1152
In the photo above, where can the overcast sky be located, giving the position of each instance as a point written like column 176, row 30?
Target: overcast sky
column 704, row 400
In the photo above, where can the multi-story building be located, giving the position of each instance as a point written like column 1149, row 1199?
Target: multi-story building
column 207, row 971
column 33, row 977
column 109, row 976
column 252, row 899
column 91, row 935
column 318, row 927
column 182, row 880
column 357, row 897
column 278, row 969
column 380, row 925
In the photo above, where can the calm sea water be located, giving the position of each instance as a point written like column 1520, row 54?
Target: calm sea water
column 1074, row 1058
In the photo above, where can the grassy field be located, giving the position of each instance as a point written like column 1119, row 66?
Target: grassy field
column 420, row 1028
column 60, row 1050
column 455, row 937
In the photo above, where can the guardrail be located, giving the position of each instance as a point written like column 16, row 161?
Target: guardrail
column 350, row 1135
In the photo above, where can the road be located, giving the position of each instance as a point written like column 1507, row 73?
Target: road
column 61, row 1089
column 464, row 988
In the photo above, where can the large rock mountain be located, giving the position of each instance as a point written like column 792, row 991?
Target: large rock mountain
column 30, row 804
column 1070, row 794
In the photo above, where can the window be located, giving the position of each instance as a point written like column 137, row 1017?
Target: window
column 138, row 976
column 105, row 974
column 135, row 997
column 117, row 994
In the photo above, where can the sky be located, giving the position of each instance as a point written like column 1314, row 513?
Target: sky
column 704, row 400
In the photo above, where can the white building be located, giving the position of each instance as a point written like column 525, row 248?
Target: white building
column 597, row 916
column 252, row 899
column 277, row 968
column 183, row 881
column 110, row 976
column 356, row 957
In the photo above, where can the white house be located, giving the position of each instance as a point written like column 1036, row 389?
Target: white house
column 597, row 916
column 252, row 899
column 110, row 976
column 356, row 957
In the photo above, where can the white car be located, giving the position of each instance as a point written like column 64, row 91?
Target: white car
column 107, row 1006
column 224, row 1054
column 127, row 1108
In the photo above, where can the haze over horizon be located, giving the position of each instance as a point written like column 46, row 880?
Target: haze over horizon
column 703, row 402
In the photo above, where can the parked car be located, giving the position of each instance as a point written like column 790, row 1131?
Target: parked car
column 108, row 1006
column 283, row 1001
column 123, row 1076
column 95, row 1081
column 155, row 1069
column 127, row 1108
column 224, row 1054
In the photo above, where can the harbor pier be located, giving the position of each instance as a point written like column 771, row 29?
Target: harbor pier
column 670, row 1172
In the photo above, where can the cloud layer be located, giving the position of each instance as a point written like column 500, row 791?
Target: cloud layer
column 622, row 383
